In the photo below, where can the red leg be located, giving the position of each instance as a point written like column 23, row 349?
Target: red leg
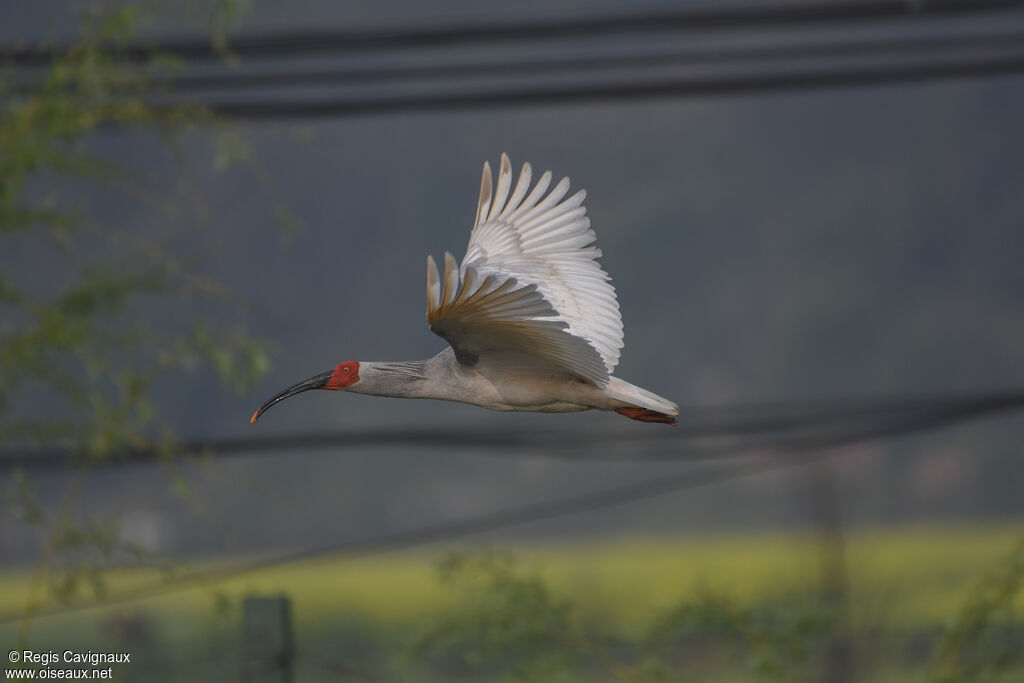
column 645, row 415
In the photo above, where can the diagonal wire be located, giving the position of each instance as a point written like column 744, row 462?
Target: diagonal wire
column 664, row 58
column 634, row 89
column 549, row 66
column 712, row 17
column 712, row 432
column 518, row 515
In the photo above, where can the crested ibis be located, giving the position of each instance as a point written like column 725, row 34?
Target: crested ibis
column 530, row 317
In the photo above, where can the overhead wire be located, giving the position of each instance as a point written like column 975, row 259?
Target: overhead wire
column 560, row 65
column 513, row 516
column 632, row 89
column 277, row 44
column 709, row 432
column 173, row 90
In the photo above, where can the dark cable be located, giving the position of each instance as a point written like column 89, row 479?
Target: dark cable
column 664, row 88
column 547, row 67
column 315, row 41
column 515, row 516
column 762, row 426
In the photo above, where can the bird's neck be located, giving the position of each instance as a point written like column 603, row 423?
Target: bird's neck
column 402, row 379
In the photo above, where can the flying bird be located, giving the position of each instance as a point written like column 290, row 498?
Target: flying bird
column 530, row 317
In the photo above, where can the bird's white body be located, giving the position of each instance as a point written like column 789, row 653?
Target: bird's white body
column 499, row 386
column 531, row 318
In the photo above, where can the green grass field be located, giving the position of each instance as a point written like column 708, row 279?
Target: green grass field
column 903, row 579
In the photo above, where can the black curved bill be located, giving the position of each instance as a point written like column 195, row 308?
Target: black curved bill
column 318, row 382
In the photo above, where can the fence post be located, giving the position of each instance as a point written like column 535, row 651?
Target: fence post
column 837, row 659
column 267, row 644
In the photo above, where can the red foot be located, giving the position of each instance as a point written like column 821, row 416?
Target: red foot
column 645, row 415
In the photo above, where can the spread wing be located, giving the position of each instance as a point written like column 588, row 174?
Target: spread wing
column 530, row 282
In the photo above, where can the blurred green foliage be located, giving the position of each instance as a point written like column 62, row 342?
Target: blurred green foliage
column 512, row 627
column 717, row 608
column 73, row 331
column 777, row 641
column 511, row 621
column 984, row 641
column 86, row 340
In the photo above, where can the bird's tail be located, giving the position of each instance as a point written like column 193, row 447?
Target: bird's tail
column 633, row 395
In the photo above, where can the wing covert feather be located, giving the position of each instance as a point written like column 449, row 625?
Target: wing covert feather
column 530, row 281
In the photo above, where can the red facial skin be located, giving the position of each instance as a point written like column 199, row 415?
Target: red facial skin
column 345, row 375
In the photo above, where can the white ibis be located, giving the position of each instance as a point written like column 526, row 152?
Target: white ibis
column 530, row 317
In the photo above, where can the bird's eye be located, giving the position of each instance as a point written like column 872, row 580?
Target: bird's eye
column 344, row 369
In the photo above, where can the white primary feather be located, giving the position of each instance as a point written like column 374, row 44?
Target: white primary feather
column 530, row 280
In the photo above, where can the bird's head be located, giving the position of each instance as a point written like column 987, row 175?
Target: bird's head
column 341, row 377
